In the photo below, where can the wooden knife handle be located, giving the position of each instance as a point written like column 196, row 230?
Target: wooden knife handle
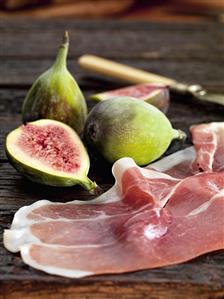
column 120, row 71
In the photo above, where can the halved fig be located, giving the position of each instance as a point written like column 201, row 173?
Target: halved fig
column 154, row 94
column 49, row 152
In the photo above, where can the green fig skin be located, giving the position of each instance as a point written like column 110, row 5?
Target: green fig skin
column 126, row 127
column 56, row 95
column 38, row 176
column 53, row 178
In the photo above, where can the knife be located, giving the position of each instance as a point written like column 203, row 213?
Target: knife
column 136, row 76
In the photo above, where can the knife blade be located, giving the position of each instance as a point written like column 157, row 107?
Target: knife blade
column 133, row 75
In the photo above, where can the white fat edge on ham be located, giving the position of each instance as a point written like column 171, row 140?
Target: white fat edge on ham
column 168, row 162
column 25, row 254
column 203, row 207
column 14, row 239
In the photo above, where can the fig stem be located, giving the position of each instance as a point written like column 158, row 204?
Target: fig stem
column 61, row 59
column 179, row 134
column 91, row 186
column 97, row 190
column 65, row 40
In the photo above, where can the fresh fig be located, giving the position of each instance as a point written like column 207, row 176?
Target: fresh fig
column 126, row 127
column 56, row 95
column 155, row 94
column 49, row 152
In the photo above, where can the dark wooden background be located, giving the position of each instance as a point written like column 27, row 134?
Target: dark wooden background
column 192, row 52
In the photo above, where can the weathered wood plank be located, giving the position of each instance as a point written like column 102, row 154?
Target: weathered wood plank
column 24, row 72
column 175, row 51
column 111, row 38
column 104, row 289
column 21, row 25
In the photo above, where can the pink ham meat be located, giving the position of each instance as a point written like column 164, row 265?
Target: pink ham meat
column 206, row 155
column 208, row 140
column 148, row 219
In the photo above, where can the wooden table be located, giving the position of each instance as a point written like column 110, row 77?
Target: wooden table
column 192, row 53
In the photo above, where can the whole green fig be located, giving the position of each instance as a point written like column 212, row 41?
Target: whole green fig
column 56, row 95
column 126, row 127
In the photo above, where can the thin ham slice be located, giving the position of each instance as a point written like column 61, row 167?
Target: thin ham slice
column 208, row 140
column 164, row 214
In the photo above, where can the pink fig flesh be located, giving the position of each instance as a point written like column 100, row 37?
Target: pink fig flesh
column 52, row 145
column 154, row 94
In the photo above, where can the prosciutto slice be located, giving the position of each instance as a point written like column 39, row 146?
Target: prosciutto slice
column 167, row 213
column 208, row 140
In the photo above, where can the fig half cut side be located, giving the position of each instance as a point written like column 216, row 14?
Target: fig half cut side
column 49, row 152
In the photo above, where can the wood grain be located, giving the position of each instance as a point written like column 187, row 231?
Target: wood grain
column 108, row 38
column 24, row 54
column 185, row 52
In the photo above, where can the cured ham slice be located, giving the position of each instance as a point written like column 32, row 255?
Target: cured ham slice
column 208, row 140
column 164, row 214
column 206, row 155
